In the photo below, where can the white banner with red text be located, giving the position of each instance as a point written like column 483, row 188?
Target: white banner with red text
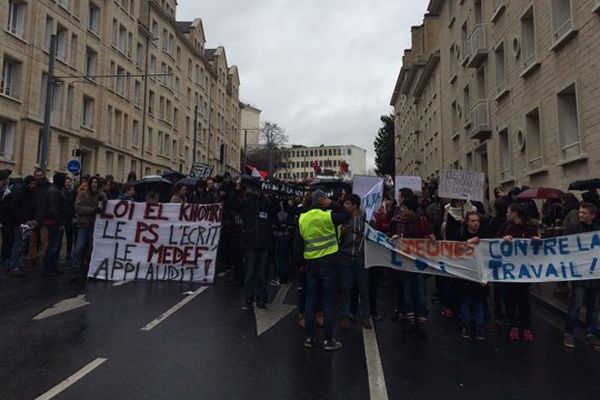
column 167, row 242
column 564, row 258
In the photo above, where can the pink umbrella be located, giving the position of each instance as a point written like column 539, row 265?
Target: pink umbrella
column 540, row 193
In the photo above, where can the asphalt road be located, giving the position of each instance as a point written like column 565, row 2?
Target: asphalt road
column 209, row 349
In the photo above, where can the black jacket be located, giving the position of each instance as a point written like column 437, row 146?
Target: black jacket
column 70, row 196
column 55, row 207
column 40, row 201
column 257, row 223
column 21, row 203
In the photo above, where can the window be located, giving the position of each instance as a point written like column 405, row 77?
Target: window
column 109, row 162
column 122, row 40
column 139, row 54
column 466, row 103
column 120, row 84
column 121, row 168
column 160, row 148
column 109, row 123
column 534, row 139
column 454, row 113
column 94, row 18
column 135, row 129
column 61, row 42
column 528, row 39
column 129, row 44
column 481, row 86
column 69, row 112
column 151, row 102
column 87, row 112
column 149, row 140
column 7, row 137
column 16, row 17
column 11, row 76
column 161, row 107
column 464, row 40
column 504, row 153
column 74, row 49
column 453, row 59
column 500, row 68
column 152, row 67
column 451, row 11
column 89, row 68
column 561, row 18
column 568, row 122
column 137, row 93
column 63, row 152
column 48, row 31
column 64, row 4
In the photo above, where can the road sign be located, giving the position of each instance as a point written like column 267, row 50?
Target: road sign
column 74, row 166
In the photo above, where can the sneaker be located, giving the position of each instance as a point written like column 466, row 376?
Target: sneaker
column 366, row 323
column 464, row 333
column 569, row 341
column 309, row 343
column 275, row 282
column 514, row 334
column 592, row 341
column 331, row 345
column 479, row 335
column 528, row 335
column 345, row 323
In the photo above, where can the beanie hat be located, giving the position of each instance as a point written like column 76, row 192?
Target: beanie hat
column 317, row 194
column 59, row 179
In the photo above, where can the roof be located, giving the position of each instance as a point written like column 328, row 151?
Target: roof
column 210, row 53
column 185, row 26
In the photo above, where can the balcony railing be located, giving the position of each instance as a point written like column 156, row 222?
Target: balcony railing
column 478, row 49
column 480, row 119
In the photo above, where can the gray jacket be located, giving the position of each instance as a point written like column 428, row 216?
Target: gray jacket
column 352, row 243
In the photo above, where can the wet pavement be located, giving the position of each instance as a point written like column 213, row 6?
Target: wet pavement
column 208, row 349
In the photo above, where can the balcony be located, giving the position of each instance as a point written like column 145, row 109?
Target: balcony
column 480, row 119
column 478, row 49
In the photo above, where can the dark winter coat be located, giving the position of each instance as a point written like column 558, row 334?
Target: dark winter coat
column 257, row 223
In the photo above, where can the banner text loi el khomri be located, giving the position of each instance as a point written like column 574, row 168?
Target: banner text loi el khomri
column 564, row 258
column 141, row 241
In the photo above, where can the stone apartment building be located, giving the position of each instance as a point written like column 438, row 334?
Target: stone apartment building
column 103, row 109
column 299, row 160
column 508, row 88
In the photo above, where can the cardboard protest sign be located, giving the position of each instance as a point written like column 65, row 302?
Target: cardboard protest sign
column 370, row 190
column 141, row 241
column 414, row 183
column 200, row 171
column 461, row 184
column 565, row 258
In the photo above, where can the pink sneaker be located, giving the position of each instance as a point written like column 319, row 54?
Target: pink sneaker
column 528, row 335
column 514, row 334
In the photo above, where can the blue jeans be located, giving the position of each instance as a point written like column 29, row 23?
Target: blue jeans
column 320, row 272
column 54, row 235
column 583, row 295
column 15, row 250
column 85, row 237
column 282, row 251
column 415, row 295
column 472, row 308
column 353, row 272
column 256, row 262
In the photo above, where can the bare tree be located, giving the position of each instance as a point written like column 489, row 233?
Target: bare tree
column 273, row 138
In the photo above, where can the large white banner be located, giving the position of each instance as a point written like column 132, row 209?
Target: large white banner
column 564, row 258
column 370, row 190
column 461, row 184
column 414, row 183
column 141, row 241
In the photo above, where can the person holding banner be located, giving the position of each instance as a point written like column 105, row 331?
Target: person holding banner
column 317, row 243
column 583, row 292
column 518, row 225
column 411, row 226
column 352, row 263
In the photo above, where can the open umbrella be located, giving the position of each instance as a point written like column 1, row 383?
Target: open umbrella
column 588, row 184
column 540, row 193
column 187, row 181
column 154, row 183
column 173, row 176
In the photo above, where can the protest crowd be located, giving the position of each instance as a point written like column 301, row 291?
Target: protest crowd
column 315, row 236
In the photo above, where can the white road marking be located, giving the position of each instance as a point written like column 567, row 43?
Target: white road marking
column 63, row 306
column 266, row 319
column 222, row 274
column 173, row 309
column 72, row 379
column 121, row 283
column 377, row 387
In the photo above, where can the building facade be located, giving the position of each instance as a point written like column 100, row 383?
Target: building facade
column 299, row 160
column 130, row 82
column 504, row 88
column 250, row 126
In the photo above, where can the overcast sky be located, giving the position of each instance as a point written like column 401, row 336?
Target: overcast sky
column 324, row 70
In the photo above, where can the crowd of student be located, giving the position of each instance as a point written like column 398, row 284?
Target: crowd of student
column 260, row 230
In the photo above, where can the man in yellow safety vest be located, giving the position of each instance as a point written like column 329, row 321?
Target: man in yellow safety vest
column 317, row 245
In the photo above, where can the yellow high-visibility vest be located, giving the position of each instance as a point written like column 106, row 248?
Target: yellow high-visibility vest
column 319, row 234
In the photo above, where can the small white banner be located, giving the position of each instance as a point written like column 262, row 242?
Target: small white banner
column 414, row 183
column 370, row 190
column 140, row 241
column 461, row 184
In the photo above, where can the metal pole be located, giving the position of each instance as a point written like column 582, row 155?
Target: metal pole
column 195, row 133
column 245, row 151
column 48, row 106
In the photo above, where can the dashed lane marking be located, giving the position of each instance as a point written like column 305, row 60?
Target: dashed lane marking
column 377, row 387
column 72, row 379
column 173, row 309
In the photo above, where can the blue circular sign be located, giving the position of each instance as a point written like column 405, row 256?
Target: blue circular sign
column 74, row 166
